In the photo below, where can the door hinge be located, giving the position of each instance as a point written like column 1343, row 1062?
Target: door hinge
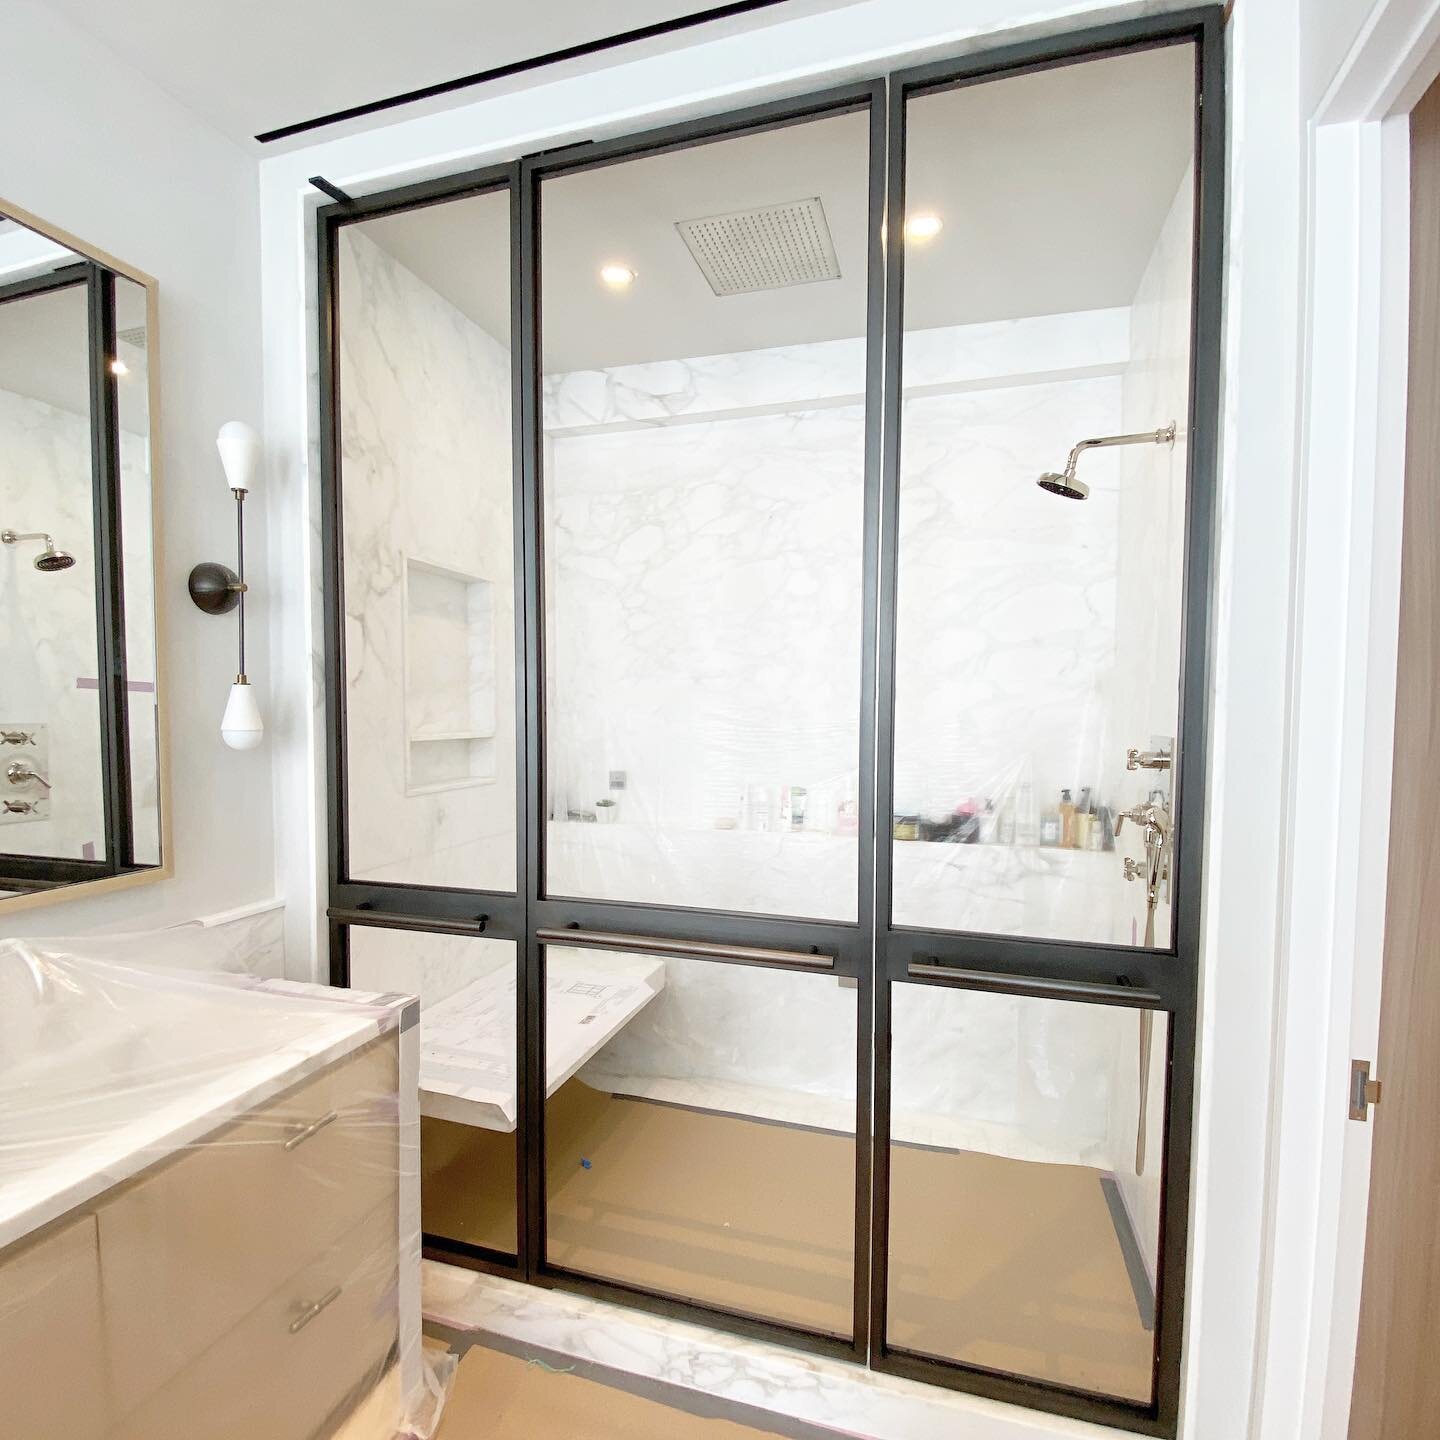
column 1364, row 1092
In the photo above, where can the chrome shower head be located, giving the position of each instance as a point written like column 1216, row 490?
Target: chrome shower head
column 1069, row 488
column 1066, row 485
column 53, row 559
column 49, row 558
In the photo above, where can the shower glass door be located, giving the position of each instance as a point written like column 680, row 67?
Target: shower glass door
column 767, row 583
column 1045, row 540
column 703, row 440
column 424, row 648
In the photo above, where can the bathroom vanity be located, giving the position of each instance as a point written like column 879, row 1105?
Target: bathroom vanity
column 211, row 1247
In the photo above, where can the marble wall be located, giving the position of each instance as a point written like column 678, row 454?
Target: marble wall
column 48, row 653
column 703, row 575
column 703, row 567
column 425, row 419
column 246, row 941
column 704, row 586
column 1149, row 593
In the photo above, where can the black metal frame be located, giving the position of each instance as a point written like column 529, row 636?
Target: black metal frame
column 872, row 951
column 33, row 872
column 1165, row 979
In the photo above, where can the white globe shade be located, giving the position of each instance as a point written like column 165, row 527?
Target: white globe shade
column 241, row 728
column 239, row 448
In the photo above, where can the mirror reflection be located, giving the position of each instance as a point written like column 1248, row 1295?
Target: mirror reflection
column 79, row 772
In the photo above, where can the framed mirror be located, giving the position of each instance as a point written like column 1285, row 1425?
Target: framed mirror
column 81, row 732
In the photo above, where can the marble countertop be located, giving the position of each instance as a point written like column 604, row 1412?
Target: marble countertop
column 124, row 1066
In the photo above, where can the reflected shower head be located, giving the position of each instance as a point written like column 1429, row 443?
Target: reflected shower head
column 49, row 558
column 1069, row 488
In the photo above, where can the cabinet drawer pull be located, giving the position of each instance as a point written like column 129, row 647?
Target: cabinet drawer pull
column 313, row 1309
column 304, row 1132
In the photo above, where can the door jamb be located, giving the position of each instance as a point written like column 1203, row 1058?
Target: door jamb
column 1345, row 612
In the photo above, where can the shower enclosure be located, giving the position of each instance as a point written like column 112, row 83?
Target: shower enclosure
column 787, row 811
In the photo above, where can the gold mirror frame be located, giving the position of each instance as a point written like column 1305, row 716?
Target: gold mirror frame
column 148, row 874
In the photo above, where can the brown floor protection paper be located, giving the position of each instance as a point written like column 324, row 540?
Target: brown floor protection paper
column 500, row 1397
column 1010, row 1264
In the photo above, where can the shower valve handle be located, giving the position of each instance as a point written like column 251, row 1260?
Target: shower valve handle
column 1153, row 819
column 1147, row 759
column 17, row 772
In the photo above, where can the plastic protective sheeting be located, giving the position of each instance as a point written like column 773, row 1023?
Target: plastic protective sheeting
column 209, row 1218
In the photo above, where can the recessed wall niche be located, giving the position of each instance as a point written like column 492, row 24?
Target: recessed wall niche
column 449, row 630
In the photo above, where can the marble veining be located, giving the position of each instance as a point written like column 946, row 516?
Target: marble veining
column 851, row 1400
column 425, row 417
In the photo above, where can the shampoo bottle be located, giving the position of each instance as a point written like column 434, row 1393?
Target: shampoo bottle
column 1067, row 821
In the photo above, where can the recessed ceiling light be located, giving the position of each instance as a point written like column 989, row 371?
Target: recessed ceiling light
column 119, row 367
column 923, row 227
column 617, row 276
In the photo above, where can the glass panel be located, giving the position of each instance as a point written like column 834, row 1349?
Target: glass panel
column 1038, row 634
column 49, row 656
column 132, row 408
column 426, row 499
column 700, row 1132
column 1025, row 1185
column 704, row 355
column 468, row 1102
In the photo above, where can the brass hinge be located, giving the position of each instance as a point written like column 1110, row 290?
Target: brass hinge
column 1364, row 1092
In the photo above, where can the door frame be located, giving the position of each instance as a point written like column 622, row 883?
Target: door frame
column 843, row 948
column 1351, row 439
column 1163, row 979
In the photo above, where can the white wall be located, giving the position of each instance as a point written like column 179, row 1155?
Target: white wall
column 94, row 148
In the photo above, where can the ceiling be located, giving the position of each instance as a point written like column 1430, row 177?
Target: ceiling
column 1052, row 188
column 264, row 64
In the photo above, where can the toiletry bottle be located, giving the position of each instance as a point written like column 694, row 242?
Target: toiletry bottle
column 989, row 824
column 1084, row 820
column 759, row 807
column 1050, row 828
column 1067, row 821
column 797, row 807
column 1027, row 827
column 1095, row 831
column 1005, row 830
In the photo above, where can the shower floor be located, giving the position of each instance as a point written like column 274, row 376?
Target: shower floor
column 1014, row 1265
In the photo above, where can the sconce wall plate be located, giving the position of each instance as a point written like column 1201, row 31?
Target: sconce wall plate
column 215, row 588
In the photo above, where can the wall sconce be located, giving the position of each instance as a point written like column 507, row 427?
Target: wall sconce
column 217, row 589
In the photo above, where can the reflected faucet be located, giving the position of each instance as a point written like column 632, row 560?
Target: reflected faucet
column 17, row 772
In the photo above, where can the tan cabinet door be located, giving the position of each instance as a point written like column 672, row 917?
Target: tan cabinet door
column 52, row 1353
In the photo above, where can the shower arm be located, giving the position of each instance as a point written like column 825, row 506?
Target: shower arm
column 14, row 537
column 1165, row 436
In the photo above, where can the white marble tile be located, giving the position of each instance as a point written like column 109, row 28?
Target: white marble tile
column 833, row 371
column 425, row 417
column 248, row 941
column 849, row 1399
